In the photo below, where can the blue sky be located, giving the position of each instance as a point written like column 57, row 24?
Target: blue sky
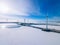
column 52, row 7
column 34, row 9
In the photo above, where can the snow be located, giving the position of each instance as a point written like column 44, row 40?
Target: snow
column 49, row 26
column 28, row 36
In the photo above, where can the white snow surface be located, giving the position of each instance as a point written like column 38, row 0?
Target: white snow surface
column 28, row 36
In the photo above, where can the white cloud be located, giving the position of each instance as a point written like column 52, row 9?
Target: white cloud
column 7, row 17
column 55, row 18
column 5, row 8
column 18, row 7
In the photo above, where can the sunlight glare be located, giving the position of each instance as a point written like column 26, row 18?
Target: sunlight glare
column 3, row 26
column 3, row 8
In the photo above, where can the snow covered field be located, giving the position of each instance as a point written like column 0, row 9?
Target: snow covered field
column 28, row 36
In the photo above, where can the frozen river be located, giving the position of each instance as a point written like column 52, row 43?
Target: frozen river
column 28, row 36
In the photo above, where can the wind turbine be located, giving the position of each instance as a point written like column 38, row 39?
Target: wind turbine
column 47, row 21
